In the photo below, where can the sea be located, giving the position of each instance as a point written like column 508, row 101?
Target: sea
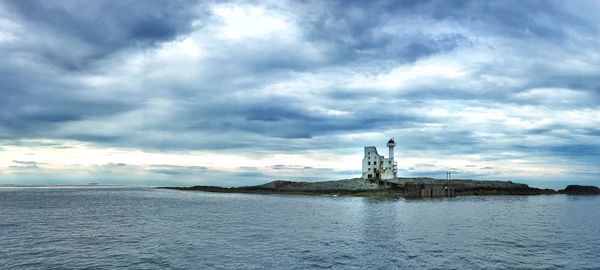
column 101, row 227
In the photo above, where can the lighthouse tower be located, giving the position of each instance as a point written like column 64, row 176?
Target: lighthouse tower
column 390, row 166
column 391, row 144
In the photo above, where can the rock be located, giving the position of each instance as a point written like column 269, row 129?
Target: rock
column 360, row 187
column 355, row 184
column 580, row 190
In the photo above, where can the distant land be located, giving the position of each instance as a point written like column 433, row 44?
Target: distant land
column 396, row 187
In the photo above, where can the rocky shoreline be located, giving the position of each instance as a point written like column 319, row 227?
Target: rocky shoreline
column 396, row 187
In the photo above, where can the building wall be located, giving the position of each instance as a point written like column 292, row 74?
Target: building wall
column 371, row 163
column 414, row 190
column 389, row 169
column 374, row 164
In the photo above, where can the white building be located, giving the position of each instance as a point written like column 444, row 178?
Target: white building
column 375, row 166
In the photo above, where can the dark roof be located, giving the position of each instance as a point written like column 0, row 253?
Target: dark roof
column 391, row 141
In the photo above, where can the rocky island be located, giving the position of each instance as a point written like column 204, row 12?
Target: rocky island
column 396, row 187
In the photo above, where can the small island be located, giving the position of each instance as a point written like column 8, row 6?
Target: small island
column 400, row 187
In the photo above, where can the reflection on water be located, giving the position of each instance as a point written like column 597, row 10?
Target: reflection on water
column 114, row 228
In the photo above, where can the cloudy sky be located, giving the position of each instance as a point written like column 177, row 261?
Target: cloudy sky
column 236, row 93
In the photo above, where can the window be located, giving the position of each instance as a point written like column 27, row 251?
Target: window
column 374, row 162
column 369, row 169
column 369, row 163
column 390, row 162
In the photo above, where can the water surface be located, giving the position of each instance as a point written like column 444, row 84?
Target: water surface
column 144, row 228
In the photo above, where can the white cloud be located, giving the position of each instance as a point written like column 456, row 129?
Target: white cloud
column 246, row 21
column 429, row 72
column 553, row 96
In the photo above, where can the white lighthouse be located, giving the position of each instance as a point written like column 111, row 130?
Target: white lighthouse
column 375, row 166
column 391, row 144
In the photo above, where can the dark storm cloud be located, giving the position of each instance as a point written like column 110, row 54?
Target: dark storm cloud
column 575, row 150
column 37, row 96
column 250, row 174
column 75, row 34
column 26, row 164
column 290, row 167
column 355, row 30
column 177, row 170
column 292, row 121
column 34, row 103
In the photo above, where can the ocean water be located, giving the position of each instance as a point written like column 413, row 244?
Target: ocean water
column 144, row 228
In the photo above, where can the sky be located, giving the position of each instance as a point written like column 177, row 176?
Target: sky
column 236, row 93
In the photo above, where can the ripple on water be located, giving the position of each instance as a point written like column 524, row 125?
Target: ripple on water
column 124, row 228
